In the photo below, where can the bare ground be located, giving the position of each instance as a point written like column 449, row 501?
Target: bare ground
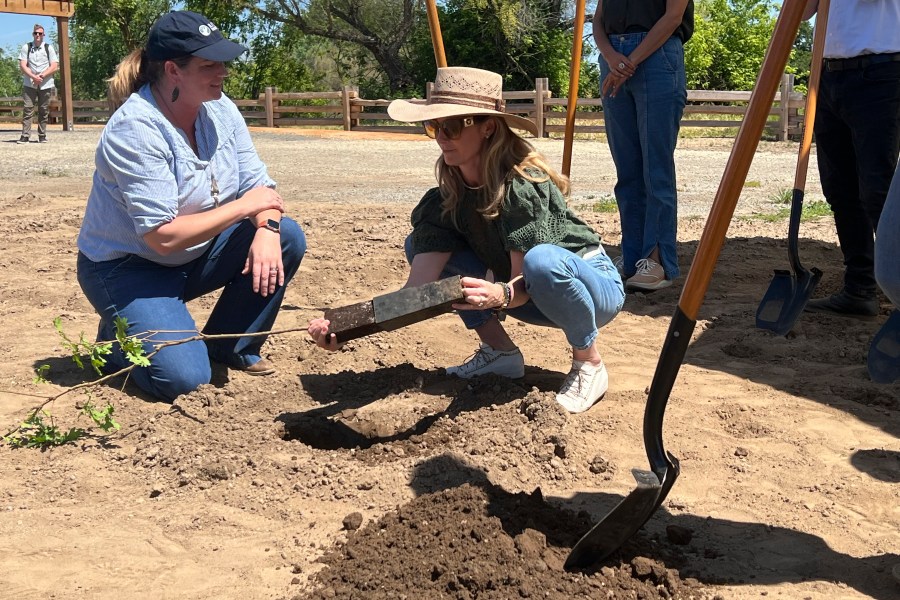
column 369, row 474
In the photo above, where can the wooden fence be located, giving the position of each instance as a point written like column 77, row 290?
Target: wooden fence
column 346, row 110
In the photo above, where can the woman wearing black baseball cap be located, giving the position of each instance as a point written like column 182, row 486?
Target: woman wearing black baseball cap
column 181, row 205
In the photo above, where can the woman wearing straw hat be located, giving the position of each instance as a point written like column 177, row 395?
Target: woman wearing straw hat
column 499, row 208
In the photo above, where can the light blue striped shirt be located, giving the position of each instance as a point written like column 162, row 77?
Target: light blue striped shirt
column 147, row 174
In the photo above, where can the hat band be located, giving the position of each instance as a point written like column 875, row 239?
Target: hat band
column 473, row 100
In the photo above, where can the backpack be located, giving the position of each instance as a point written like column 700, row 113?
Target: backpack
column 46, row 49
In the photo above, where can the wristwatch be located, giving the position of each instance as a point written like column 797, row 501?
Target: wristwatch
column 271, row 225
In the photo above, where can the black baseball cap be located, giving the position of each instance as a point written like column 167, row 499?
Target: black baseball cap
column 185, row 33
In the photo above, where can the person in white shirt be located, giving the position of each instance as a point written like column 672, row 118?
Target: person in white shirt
column 858, row 138
column 38, row 62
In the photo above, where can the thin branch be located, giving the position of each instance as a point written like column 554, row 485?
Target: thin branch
column 126, row 370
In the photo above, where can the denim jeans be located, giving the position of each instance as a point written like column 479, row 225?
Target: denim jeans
column 887, row 244
column 152, row 298
column 642, row 123
column 857, row 141
column 566, row 292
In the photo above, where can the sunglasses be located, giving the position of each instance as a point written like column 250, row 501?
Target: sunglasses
column 452, row 128
column 38, row 33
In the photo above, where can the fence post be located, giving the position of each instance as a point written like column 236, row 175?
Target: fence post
column 355, row 109
column 345, row 106
column 270, row 106
column 787, row 89
column 540, row 84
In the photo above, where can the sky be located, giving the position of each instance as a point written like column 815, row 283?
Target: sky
column 15, row 30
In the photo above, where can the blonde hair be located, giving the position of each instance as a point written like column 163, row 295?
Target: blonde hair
column 504, row 155
column 133, row 72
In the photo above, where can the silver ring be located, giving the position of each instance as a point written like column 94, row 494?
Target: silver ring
column 480, row 304
column 273, row 270
column 621, row 65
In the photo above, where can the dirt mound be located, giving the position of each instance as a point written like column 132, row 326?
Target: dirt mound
column 483, row 542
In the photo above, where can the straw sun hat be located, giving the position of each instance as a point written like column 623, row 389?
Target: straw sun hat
column 460, row 92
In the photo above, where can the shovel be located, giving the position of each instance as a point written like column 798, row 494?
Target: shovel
column 791, row 290
column 654, row 485
column 434, row 26
column 574, row 73
column 884, row 353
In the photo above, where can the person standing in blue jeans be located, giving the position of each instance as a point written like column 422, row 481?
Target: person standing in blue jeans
column 181, row 205
column 499, row 208
column 644, row 92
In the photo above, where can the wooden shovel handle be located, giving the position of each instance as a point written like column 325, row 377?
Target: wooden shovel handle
column 809, row 113
column 574, row 72
column 738, row 165
column 437, row 42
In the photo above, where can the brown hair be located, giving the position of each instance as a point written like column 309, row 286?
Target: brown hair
column 134, row 71
column 504, row 155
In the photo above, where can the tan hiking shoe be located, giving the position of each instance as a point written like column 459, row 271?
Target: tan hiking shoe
column 650, row 276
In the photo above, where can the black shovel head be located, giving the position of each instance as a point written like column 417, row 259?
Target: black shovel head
column 884, row 353
column 784, row 300
column 626, row 518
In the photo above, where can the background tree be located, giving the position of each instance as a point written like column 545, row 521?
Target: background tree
column 729, row 43
column 104, row 31
column 381, row 28
column 10, row 76
column 801, row 56
column 522, row 39
column 277, row 52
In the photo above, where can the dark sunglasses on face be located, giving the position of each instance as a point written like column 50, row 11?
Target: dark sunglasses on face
column 452, row 128
column 36, row 33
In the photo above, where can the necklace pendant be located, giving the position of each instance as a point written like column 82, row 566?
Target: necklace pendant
column 214, row 190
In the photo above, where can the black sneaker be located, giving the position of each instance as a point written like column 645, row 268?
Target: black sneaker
column 42, row 139
column 22, row 140
column 845, row 303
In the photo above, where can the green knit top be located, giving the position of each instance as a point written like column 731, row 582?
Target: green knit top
column 532, row 213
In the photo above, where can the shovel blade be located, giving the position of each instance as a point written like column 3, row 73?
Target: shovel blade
column 884, row 353
column 625, row 519
column 785, row 299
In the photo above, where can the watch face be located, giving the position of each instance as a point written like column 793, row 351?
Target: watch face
column 273, row 225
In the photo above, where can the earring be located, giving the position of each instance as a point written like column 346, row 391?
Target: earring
column 175, row 93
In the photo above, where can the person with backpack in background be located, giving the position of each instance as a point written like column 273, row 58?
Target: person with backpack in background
column 38, row 62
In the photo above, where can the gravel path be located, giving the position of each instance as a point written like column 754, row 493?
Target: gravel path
column 331, row 166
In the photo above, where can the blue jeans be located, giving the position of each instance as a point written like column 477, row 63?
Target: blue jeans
column 152, row 298
column 857, row 141
column 642, row 123
column 887, row 244
column 566, row 292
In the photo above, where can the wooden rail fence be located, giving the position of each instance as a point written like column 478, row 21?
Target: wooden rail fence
column 346, row 110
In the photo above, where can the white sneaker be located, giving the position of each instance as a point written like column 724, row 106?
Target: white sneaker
column 584, row 386
column 487, row 360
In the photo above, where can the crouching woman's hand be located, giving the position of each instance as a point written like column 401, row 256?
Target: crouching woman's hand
column 318, row 330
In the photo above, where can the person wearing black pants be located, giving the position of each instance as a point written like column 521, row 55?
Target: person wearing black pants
column 857, row 132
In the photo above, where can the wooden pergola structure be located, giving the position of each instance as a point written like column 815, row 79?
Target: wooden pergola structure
column 62, row 10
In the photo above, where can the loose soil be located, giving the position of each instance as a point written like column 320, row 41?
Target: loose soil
column 368, row 473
